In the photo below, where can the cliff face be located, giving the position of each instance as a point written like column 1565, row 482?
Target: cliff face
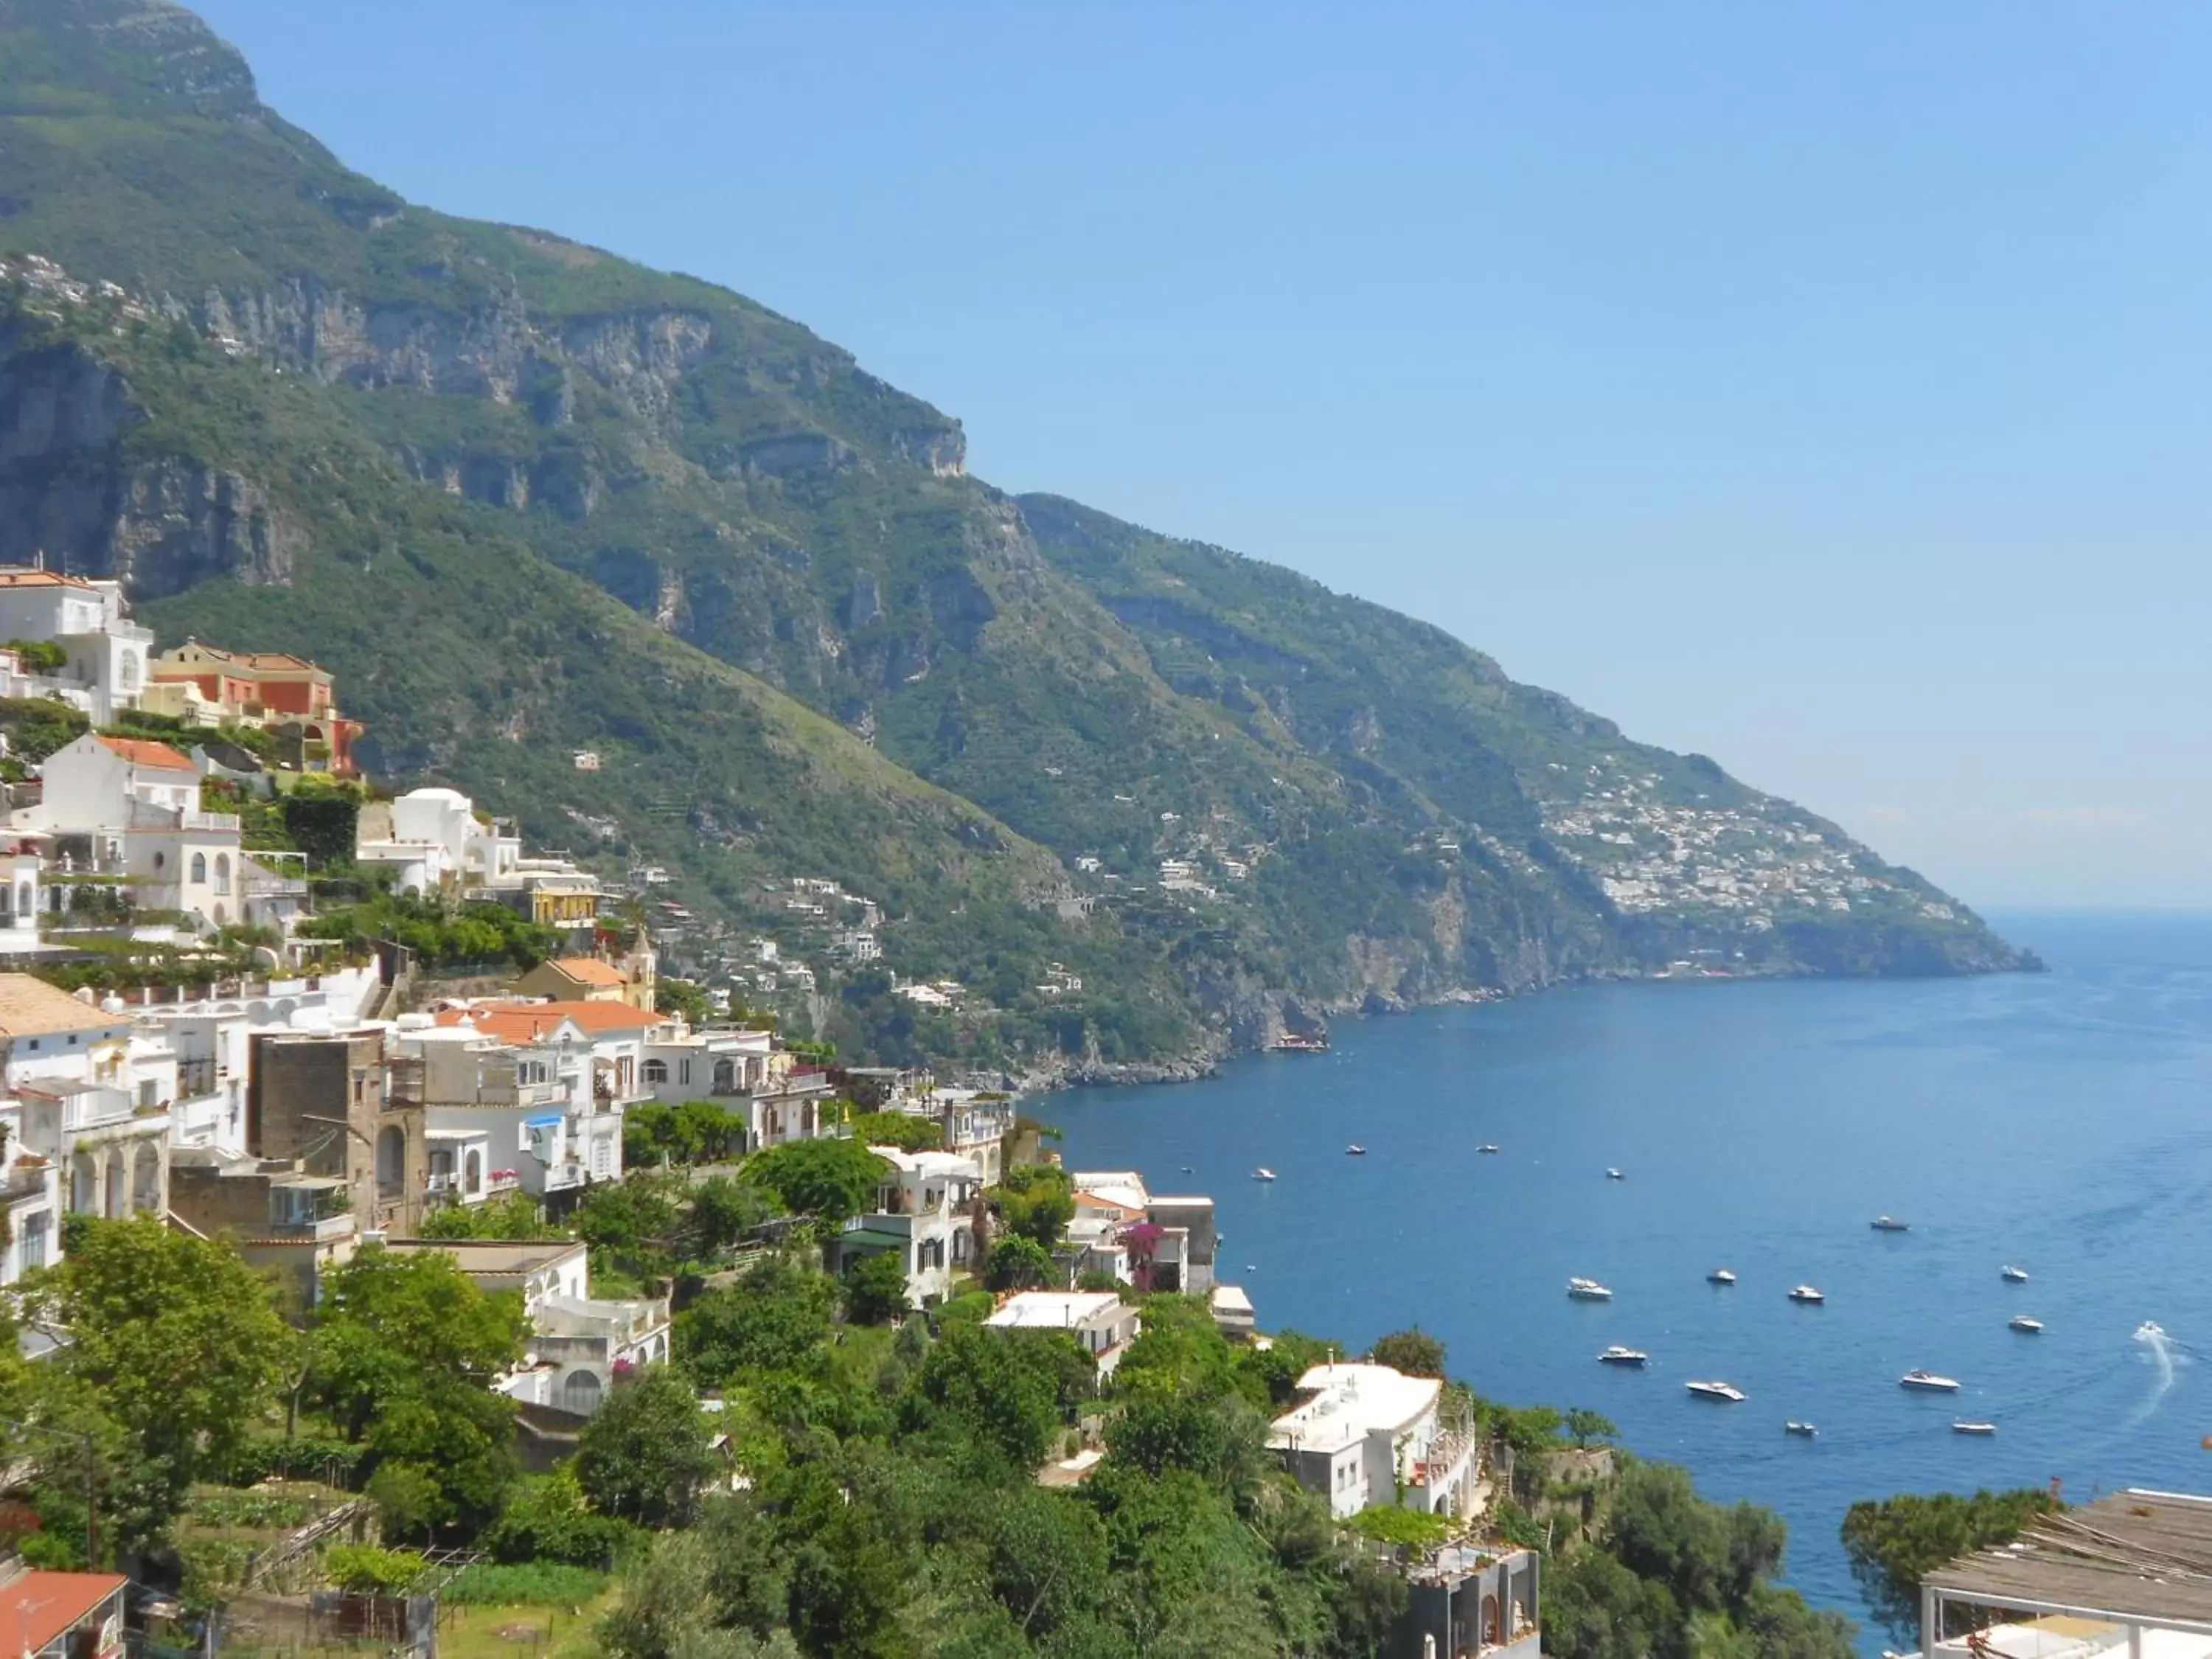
column 253, row 371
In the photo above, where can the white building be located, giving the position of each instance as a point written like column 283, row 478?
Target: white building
column 581, row 1343
column 1364, row 1434
column 1102, row 1324
column 89, row 1095
column 129, row 807
column 923, row 1211
column 106, row 669
column 434, row 840
column 527, row 1095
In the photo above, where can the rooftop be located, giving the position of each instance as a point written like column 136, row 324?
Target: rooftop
column 19, row 576
column 494, row 1257
column 588, row 970
column 1053, row 1310
column 2144, row 1557
column 38, row 1607
column 530, row 1021
column 143, row 751
column 1349, row 1402
column 31, row 1007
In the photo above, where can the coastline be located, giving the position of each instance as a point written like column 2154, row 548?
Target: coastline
column 1262, row 1027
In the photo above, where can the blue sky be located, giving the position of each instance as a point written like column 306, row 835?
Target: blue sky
column 1825, row 388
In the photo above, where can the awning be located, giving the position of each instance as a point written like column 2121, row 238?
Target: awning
column 552, row 1122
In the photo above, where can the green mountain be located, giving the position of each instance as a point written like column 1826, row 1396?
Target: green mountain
column 527, row 497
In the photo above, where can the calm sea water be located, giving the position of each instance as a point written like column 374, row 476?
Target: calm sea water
column 2060, row 1121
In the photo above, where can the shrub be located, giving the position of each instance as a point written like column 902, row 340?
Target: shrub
column 542, row 1582
column 368, row 1569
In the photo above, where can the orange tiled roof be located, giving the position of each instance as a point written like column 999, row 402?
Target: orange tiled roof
column 45, row 1605
column 276, row 661
column 527, row 1022
column 18, row 578
column 141, row 751
column 589, row 970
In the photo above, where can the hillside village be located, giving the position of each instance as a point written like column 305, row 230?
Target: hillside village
column 242, row 1065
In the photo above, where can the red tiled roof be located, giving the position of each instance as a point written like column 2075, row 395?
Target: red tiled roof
column 39, row 1607
column 141, row 751
column 524, row 1022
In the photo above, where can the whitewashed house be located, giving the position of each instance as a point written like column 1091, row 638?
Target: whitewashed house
column 1102, row 1324
column 923, row 1211
column 91, row 1096
column 129, row 807
column 434, row 840
column 1365, row 1434
column 107, row 656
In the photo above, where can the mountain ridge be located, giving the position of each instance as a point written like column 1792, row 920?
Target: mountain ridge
column 1243, row 798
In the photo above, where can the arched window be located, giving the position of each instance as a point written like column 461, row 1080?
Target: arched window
column 222, row 872
column 127, row 672
column 726, row 1077
column 579, row 1393
column 472, row 1172
column 391, row 1160
column 656, row 1071
column 199, row 866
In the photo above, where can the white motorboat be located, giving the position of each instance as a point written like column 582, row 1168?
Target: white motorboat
column 1804, row 1429
column 1807, row 1294
column 1973, row 1428
column 1928, row 1381
column 2022, row 1322
column 1721, row 1276
column 1614, row 1175
column 1889, row 1224
column 1487, row 1147
column 1263, row 1173
column 2150, row 1331
column 1722, row 1391
column 2013, row 1275
column 1617, row 1355
column 1355, row 1149
column 1587, row 1290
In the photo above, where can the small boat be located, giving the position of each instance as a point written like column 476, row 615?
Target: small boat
column 1487, row 1147
column 1726, row 1391
column 1804, row 1429
column 1614, row 1175
column 2150, row 1331
column 1187, row 1168
column 1295, row 1042
column 1889, row 1224
column 1263, row 1173
column 1930, row 1381
column 1721, row 1276
column 2022, row 1322
column 1617, row 1355
column 1587, row 1290
column 1808, row 1295
column 2013, row 1275
column 1355, row 1149
column 1973, row 1428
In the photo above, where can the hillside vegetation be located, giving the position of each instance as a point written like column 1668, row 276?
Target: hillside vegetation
column 527, row 497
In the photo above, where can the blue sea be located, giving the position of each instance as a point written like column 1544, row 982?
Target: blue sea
column 2060, row 1121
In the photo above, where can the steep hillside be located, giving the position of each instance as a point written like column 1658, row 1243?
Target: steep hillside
column 308, row 413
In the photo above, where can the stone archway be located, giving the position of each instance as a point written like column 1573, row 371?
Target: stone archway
column 391, row 1161
column 84, row 1184
column 116, row 1183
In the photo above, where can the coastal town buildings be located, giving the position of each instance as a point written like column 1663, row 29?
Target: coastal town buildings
column 1363, row 1434
column 925, row 1213
column 1099, row 1321
column 291, row 699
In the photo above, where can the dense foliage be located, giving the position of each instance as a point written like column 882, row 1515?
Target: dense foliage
column 1895, row 1541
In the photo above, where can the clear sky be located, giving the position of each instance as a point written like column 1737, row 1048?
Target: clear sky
column 1827, row 388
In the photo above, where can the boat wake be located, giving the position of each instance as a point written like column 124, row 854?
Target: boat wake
column 2165, row 1356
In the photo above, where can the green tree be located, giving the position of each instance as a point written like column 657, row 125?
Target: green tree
column 513, row 1215
column 1017, row 1262
column 405, row 1349
column 682, row 998
column 1037, row 1200
column 1415, row 1353
column 1588, row 1428
column 546, row 1517
column 903, row 1130
column 1006, row 1391
column 1894, row 1542
column 1594, row 1608
column 772, row 1319
column 644, row 1455
column 829, row 1180
column 875, row 1290
column 177, row 1341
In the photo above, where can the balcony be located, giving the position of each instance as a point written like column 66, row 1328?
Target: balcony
column 24, row 1181
column 275, row 887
